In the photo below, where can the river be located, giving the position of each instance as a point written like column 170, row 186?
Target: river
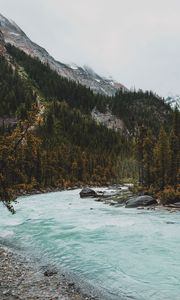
column 125, row 253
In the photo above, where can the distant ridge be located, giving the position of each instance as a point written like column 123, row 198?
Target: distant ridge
column 11, row 33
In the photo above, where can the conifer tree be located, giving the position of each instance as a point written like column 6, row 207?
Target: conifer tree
column 162, row 158
column 148, row 145
column 140, row 153
column 175, row 149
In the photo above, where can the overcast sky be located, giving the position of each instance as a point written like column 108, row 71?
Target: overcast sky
column 137, row 42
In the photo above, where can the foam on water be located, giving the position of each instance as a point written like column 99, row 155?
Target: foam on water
column 125, row 252
column 6, row 233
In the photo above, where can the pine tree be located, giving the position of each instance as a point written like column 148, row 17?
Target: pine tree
column 140, row 153
column 162, row 157
column 148, row 145
column 175, row 149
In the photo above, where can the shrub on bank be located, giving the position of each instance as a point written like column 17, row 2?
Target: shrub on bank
column 169, row 195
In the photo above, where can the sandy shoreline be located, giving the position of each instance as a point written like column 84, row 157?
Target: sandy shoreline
column 23, row 279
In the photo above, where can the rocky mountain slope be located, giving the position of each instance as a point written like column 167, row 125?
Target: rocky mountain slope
column 107, row 119
column 12, row 34
column 2, row 44
column 37, row 71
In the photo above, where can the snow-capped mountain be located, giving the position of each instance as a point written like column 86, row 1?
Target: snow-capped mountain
column 174, row 101
column 11, row 33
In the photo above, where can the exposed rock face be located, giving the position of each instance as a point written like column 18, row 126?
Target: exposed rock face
column 86, row 192
column 140, row 201
column 107, row 119
column 84, row 75
column 2, row 44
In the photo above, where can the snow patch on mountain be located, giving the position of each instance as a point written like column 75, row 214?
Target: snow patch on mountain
column 73, row 66
column 173, row 101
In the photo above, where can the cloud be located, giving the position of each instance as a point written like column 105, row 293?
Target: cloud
column 137, row 42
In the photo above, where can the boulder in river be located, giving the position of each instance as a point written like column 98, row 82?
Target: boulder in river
column 140, row 201
column 87, row 192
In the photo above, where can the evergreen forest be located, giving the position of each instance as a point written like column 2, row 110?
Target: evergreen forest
column 53, row 142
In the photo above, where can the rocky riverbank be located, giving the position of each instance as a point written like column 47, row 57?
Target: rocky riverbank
column 23, row 279
column 118, row 196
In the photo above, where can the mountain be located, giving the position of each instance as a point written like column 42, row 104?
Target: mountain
column 126, row 110
column 173, row 101
column 12, row 34
column 122, row 110
column 53, row 142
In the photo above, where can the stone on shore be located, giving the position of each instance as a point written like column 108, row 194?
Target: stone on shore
column 87, row 192
column 174, row 205
column 50, row 273
column 140, row 201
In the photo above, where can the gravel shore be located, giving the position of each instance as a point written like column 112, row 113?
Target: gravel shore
column 21, row 278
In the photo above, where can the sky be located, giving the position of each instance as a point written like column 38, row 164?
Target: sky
column 137, row 42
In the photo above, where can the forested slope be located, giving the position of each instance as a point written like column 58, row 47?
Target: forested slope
column 61, row 147
column 56, row 143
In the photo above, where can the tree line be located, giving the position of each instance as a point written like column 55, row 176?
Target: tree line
column 159, row 160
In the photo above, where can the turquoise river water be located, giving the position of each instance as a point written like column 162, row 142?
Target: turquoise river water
column 127, row 253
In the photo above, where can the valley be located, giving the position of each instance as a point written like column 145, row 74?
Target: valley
column 89, row 181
